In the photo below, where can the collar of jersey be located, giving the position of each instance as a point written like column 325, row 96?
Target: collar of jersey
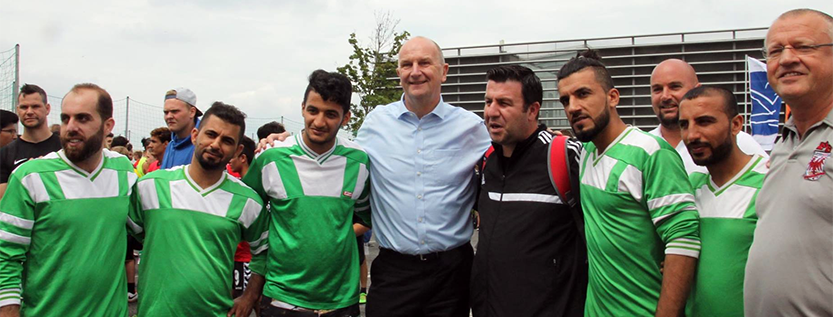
column 90, row 176
column 597, row 158
column 196, row 187
column 320, row 158
column 749, row 165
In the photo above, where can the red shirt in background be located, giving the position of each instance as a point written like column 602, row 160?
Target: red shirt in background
column 243, row 253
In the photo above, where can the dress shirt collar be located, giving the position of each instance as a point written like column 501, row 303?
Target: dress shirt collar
column 441, row 110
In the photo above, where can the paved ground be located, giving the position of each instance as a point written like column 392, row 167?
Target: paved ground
column 373, row 251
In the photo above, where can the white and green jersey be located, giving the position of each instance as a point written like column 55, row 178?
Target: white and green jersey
column 727, row 223
column 638, row 206
column 313, row 258
column 190, row 235
column 63, row 237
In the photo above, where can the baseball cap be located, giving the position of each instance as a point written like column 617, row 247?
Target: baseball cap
column 184, row 95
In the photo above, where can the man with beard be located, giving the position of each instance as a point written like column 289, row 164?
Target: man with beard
column 725, row 197
column 315, row 183
column 181, row 115
column 790, row 267
column 62, row 234
column 638, row 203
column 37, row 140
column 670, row 80
column 191, row 219
column 531, row 258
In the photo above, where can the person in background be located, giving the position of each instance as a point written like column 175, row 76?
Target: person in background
column 36, row 141
column 238, row 166
column 108, row 141
column 269, row 128
column 8, row 127
column 158, row 146
column 55, row 128
column 181, row 115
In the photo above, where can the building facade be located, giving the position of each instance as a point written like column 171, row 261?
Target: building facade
column 718, row 57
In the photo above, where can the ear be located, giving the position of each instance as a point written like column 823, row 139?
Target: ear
column 346, row 119
column 737, row 124
column 613, row 97
column 194, row 133
column 303, row 106
column 108, row 125
column 48, row 108
column 534, row 109
column 445, row 72
column 192, row 112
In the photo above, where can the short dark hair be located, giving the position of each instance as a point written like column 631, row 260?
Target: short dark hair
column 110, row 135
column 146, row 141
column 120, row 141
column 162, row 133
column 104, row 106
column 332, row 87
column 7, row 118
column 227, row 113
column 248, row 149
column 588, row 58
column 28, row 89
column 730, row 103
column 269, row 128
column 531, row 88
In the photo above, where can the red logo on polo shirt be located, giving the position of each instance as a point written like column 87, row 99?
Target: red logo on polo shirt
column 816, row 167
column 348, row 194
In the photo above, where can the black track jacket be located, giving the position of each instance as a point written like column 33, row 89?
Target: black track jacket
column 530, row 260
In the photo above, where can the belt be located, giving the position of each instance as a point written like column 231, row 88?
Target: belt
column 420, row 257
column 302, row 312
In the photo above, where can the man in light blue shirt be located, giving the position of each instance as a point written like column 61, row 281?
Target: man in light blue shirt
column 422, row 157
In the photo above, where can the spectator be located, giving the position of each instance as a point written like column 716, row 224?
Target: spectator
column 8, row 127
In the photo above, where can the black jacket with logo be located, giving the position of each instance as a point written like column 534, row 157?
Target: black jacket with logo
column 531, row 259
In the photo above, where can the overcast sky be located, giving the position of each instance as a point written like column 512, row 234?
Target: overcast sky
column 257, row 54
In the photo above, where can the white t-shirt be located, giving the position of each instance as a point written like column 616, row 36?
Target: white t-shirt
column 745, row 142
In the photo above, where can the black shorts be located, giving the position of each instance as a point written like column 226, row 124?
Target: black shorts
column 132, row 244
column 240, row 278
column 360, row 242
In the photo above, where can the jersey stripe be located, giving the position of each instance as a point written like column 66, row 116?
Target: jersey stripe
column 76, row 186
column 272, row 182
column 11, row 237
column 326, row 180
column 669, row 200
column 183, row 196
column 16, row 221
column 34, row 185
column 538, row 198
column 250, row 212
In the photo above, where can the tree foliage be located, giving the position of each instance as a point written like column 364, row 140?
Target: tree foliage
column 371, row 68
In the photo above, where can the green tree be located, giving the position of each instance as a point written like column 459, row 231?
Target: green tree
column 371, row 68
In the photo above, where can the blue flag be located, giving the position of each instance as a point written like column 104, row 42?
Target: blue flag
column 766, row 105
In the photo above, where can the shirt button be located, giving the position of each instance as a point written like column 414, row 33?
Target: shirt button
column 419, row 196
column 419, row 151
column 421, row 241
column 419, row 129
column 419, row 219
column 419, row 173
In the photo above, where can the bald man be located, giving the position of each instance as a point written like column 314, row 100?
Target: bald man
column 422, row 152
column 670, row 81
column 790, row 266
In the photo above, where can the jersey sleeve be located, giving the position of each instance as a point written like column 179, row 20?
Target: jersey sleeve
column 136, row 211
column 254, row 178
column 17, row 218
column 362, row 206
column 257, row 234
column 670, row 202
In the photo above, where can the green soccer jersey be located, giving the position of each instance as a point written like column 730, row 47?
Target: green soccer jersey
column 638, row 207
column 63, row 237
column 313, row 257
column 727, row 223
column 190, row 235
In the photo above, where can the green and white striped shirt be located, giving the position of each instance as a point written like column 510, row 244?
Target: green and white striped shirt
column 63, row 237
column 638, row 206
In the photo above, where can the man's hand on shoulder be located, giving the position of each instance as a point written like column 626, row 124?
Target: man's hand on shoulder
column 266, row 142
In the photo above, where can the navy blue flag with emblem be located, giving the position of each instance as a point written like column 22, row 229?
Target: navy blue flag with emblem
column 766, row 105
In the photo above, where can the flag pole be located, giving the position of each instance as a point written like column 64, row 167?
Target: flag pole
column 746, row 93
